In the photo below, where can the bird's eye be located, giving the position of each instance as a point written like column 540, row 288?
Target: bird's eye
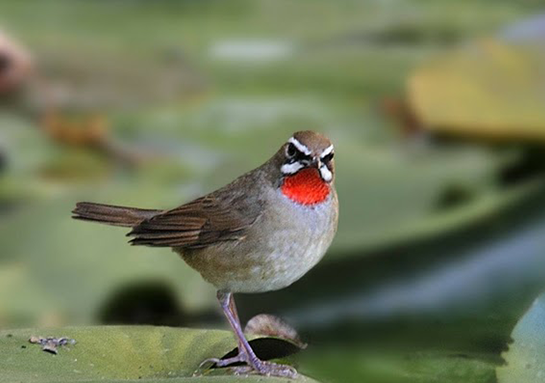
column 328, row 158
column 291, row 151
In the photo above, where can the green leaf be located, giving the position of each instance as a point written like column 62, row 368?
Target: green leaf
column 382, row 366
column 109, row 354
column 526, row 356
column 470, row 92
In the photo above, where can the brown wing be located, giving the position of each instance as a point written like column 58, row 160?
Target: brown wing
column 205, row 221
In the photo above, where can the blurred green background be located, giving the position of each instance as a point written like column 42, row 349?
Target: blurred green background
column 436, row 111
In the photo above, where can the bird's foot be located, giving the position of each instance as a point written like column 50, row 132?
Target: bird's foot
column 271, row 369
column 219, row 363
column 251, row 365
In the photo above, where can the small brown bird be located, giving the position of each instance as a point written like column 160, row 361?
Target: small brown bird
column 262, row 232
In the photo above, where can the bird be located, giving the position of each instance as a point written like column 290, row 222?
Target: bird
column 261, row 232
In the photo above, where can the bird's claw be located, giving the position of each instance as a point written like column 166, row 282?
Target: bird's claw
column 273, row 369
column 217, row 363
column 210, row 361
column 252, row 365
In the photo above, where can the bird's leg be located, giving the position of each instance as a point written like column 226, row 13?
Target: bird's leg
column 233, row 310
column 245, row 352
column 228, row 306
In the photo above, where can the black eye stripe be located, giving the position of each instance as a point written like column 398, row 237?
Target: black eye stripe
column 294, row 154
column 328, row 157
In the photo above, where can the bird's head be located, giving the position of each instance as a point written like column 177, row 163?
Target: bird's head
column 309, row 150
column 307, row 167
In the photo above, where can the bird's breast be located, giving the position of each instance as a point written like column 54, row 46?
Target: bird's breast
column 306, row 187
column 286, row 241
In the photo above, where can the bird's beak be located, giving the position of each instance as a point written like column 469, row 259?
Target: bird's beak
column 316, row 163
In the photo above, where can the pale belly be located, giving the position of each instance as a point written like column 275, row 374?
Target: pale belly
column 282, row 247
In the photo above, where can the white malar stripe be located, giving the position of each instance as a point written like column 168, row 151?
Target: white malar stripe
column 302, row 148
column 326, row 173
column 326, row 151
column 291, row 168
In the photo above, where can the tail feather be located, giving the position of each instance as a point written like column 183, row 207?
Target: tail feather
column 112, row 215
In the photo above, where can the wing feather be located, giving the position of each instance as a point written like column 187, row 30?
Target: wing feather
column 221, row 216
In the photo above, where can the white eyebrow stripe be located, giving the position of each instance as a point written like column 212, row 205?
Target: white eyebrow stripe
column 291, row 168
column 326, row 151
column 302, row 148
column 326, row 173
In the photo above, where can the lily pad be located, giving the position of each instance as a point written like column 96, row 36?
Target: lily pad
column 488, row 89
column 110, row 354
column 386, row 366
column 59, row 273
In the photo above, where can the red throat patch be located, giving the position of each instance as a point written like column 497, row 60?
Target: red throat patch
column 306, row 187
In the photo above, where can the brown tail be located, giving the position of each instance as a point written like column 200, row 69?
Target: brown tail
column 112, row 215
